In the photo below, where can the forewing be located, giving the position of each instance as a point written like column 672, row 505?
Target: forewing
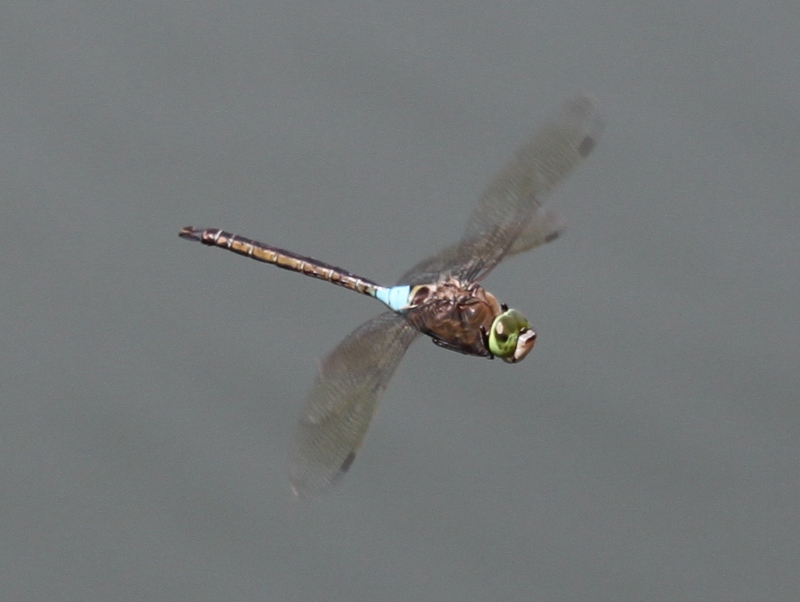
column 339, row 409
column 515, row 194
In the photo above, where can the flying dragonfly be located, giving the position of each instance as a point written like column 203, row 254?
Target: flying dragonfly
column 439, row 297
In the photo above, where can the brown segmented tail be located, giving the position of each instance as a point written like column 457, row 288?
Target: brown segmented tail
column 281, row 258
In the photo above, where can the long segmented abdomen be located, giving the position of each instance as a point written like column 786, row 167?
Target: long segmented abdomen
column 281, row 258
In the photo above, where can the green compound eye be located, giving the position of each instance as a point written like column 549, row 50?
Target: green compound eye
column 511, row 337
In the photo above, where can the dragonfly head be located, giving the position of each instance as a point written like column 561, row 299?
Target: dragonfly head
column 511, row 337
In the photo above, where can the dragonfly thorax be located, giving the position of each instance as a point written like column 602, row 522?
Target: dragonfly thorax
column 469, row 319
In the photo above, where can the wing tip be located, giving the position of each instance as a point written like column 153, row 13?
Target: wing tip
column 584, row 112
column 305, row 487
column 308, row 480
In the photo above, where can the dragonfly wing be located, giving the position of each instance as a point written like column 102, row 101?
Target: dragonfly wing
column 343, row 399
column 436, row 267
column 515, row 194
column 545, row 226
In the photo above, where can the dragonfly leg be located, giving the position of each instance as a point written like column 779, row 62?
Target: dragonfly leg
column 485, row 336
column 445, row 345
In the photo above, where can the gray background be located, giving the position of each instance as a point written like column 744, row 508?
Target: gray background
column 648, row 448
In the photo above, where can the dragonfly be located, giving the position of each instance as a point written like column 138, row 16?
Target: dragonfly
column 440, row 297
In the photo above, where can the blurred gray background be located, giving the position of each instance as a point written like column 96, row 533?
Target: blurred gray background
column 647, row 449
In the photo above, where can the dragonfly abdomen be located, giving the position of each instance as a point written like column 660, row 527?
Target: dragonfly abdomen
column 282, row 258
column 396, row 297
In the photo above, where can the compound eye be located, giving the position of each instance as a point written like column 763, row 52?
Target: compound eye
column 511, row 337
column 501, row 331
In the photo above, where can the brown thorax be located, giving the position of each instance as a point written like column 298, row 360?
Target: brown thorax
column 456, row 317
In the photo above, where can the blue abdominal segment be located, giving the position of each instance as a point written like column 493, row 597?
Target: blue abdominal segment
column 395, row 297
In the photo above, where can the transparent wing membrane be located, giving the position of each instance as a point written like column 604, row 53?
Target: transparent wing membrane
column 545, row 226
column 343, row 399
column 513, row 197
